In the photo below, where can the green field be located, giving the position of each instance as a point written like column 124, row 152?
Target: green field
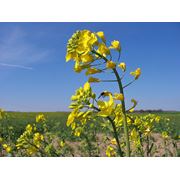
column 15, row 124
column 57, row 121
column 174, row 118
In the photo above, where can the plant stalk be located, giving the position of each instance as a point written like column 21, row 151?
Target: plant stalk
column 115, row 132
column 124, row 114
column 116, row 136
column 123, row 106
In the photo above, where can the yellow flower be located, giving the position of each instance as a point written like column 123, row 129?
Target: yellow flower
column 92, row 71
column 113, row 141
column 86, row 58
column 118, row 96
column 62, row 143
column 80, row 114
column 74, row 98
column 78, row 131
column 115, row 45
column 88, row 38
column 40, row 118
column 38, row 137
column 103, row 49
column 157, row 119
column 87, row 113
column 118, row 119
column 29, row 128
column 87, row 86
column 7, row 148
column 70, row 56
column 71, row 117
column 164, row 135
column 92, row 79
column 73, row 125
column 77, row 67
column 122, row 65
column 106, row 108
column 136, row 73
column 137, row 121
column 110, row 65
column 80, row 43
column 100, row 34
column 110, row 151
column 134, row 134
column 147, row 131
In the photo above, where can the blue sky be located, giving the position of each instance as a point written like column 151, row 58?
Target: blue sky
column 35, row 77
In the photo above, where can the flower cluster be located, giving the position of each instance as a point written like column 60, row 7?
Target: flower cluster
column 83, row 98
column 142, row 127
column 86, row 47
column 31, row 140
column 90, row 51
column 7, row 148
column 79, row 49
column 40, row 118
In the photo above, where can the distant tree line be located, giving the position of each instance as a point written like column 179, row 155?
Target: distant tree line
column 149, row 111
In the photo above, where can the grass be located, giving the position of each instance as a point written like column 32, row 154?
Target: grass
column 174, row 117
column 57, row 121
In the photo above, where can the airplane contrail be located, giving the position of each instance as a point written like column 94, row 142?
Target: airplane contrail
column 16, row 66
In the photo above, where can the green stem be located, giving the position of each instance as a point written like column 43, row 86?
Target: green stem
column 123, row 106
column 147, row 146
column 128, row 84
column 115, row 132
column 116, row 136
column 108, row 80
column 124, row 114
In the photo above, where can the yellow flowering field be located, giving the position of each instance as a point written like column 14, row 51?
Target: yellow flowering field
column 97, row 124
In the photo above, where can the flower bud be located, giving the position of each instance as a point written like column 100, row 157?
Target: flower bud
column 122, row 65
column 110, row 65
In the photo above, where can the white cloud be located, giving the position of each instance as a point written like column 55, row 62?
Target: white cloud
column 16, row 66
column 16, row 51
